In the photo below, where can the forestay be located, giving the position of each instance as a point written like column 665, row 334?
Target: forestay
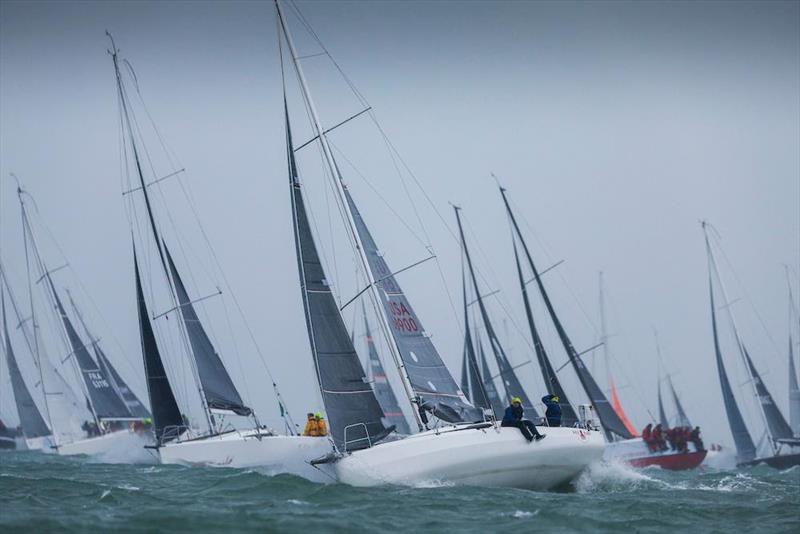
column 429, row 377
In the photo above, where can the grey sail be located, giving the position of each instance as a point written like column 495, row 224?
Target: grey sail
column 683, row 419
column 662, row 417
column 218, row 388
column 33, row 425
column 612, row 425
column 132, row 402
column 464, row 377
column 776, row 423
column 392, row 412
column 551, row 381
column 354, row 414
column 509, row 378
column 166, row 414
column 430, row 379
column 794, row 393
column 105, row 402
column 496, row 401
column 745, row 449
column 477, row 391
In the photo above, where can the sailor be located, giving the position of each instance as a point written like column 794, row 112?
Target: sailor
column 513, row 417
column 322, row 427
column 312, row 428
column 647, row 437
column 553, row 413
column 658, row 438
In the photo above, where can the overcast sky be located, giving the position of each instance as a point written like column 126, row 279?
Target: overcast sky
column 614, row 126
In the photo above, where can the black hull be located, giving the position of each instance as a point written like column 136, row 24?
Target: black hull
column 781, row 461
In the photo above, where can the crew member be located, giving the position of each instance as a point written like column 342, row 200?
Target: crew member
column 322, row 427
column 513, row 417
column 694, row 436
column 312, row 428
column 658, row 438
column 647, row 437
column 553, row 413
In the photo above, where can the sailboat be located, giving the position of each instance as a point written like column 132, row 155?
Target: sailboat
column 623, row 445
column 780, row 434
column 177, row 440
column 36, row 433
column 794, row 389
column 107, row 426
column 454, row 443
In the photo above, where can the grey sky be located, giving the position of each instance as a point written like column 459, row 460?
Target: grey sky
column 615, row 126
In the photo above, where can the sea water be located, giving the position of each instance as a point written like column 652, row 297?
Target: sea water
column 47, row 493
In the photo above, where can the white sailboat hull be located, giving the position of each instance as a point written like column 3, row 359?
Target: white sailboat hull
column 492, row 457
column 270, row 454
column 113, row 442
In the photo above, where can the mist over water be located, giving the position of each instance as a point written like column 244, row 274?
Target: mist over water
column 80, row 495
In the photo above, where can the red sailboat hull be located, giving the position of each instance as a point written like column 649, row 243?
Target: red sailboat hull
column 674, row 462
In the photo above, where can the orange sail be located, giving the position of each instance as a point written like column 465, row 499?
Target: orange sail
column 620, row 412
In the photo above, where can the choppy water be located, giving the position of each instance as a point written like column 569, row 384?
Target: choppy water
column 41, row 493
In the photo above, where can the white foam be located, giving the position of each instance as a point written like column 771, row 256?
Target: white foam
column 519, row 514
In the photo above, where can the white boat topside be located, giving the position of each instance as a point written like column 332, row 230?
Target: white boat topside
column 491, row 456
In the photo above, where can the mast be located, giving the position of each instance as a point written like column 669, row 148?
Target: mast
column 351, row 226
column 159, row 243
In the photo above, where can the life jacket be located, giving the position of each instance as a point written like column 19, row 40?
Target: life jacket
column 322, row 428
column 312, row 428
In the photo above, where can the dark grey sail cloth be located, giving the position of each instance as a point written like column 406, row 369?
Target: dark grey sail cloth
column 612, row 425
column 662, row 417
column 104, row 399
column 683, row 419
column 498, row 406
column 512, row 384
column 133, row 403
column 392, row 412
column 477, row 390
column 33, row 425
column 551, row 381
column 776, row 423
column 166, row 414
column 218, row 388
column 745, row 449
column 794, row 393
column 350, row 403
column 430, row 379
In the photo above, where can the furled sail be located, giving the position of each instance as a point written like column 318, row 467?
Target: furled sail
column 612, row 424
column 166, row 414
column 105, row 402
column 683, row 419
column 776, row 423
column 218, row 388
column 392, row 412
column 551, row 382
column 430, row 379
column 745, row 449
column 496, row 401
column 355, row 416
column 512, row 384
column 477, row 391
column 33, row 425
column 794, row 393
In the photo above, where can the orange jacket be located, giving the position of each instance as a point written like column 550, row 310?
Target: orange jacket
column 312, row 428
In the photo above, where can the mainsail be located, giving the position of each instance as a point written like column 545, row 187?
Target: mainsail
column 683, row 419
column 132, row 402
column 510, row 380
column 612, row 424
column 166, row 414
column 356, row 418
column 105, row 402
column 745, row 448
column 776, row 424
column 218, row 388
column 392, row 412
column 429, row 377
column 33, row 425
column 794, row 393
